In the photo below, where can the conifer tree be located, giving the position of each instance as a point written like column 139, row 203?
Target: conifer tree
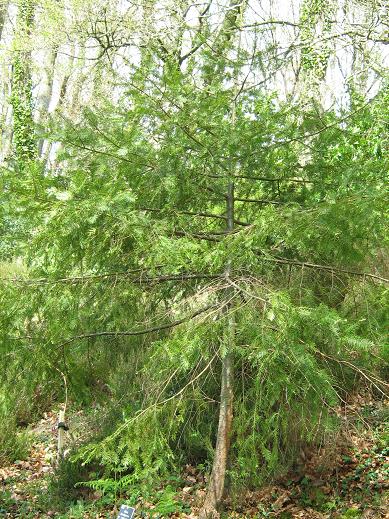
column 211, row 244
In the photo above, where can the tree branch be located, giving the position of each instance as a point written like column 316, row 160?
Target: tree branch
column 255, row 201
column 135, row 333
column 139, row 280
column 327, row 268
column 192, row 213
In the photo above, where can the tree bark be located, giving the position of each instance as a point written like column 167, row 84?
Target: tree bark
column 47, row 92
column 23, row 136
column 216, row 485
column 3, row 15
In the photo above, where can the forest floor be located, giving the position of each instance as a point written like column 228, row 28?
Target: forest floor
column 347, row 479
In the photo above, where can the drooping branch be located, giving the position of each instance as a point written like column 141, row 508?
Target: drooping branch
column 193, row 213
column 328, row 268
column 85, row 147
column 76, row 279
column 163, row 402
column 266, row 179
column 196, row 236
column 136, row 333
column 370, row 377
column 146, row 278
column 142, row 280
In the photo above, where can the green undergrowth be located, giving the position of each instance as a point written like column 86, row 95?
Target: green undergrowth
column 358, row 483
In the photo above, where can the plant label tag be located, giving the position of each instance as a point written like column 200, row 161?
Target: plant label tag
column 126, row 512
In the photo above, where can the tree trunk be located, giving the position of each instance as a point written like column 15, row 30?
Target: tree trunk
column 216, row 485
column 218, row 475
column 217, row 481
column 3, row 15
column 21, row 97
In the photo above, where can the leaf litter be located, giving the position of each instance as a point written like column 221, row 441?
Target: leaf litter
column 348, row 477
